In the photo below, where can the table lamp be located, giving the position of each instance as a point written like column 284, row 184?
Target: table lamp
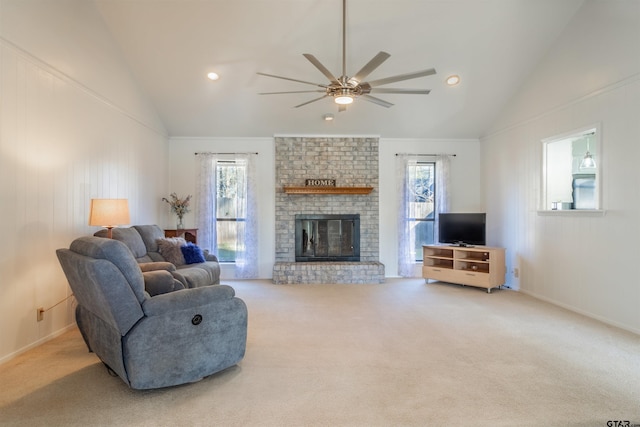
column 109, row 213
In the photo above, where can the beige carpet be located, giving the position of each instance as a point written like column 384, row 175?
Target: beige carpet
column 399, row 354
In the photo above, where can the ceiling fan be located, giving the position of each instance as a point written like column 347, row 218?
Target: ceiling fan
column 345, row 89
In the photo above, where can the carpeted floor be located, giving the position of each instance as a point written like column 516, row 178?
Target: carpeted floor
column 398, row 354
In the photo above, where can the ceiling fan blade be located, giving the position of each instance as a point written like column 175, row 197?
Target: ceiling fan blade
column 321, row 67
column 293, row 80
column 293, row 91
column 402, row 77
column 376, row 100
column 370, row 66
column 309, row 102
column 402, row 91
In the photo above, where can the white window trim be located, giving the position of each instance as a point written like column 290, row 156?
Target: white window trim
column 599, row 211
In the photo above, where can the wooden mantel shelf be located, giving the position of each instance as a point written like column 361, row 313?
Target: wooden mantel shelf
column 327, row 190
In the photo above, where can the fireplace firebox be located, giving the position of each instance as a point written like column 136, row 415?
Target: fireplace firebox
column 327, row 237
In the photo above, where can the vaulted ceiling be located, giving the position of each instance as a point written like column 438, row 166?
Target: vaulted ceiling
column 170, row 45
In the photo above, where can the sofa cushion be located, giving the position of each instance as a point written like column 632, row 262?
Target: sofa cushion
column 150, row 234
column 170, row 249
column 192, row 253
column 131, row 238
column 195, row 277
column 211, row 268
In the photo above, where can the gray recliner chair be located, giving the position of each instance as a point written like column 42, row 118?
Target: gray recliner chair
column 150, row 342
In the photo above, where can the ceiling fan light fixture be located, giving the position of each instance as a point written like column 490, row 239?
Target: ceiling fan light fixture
column 344, row 99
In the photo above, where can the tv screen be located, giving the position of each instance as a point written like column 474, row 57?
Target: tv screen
column 462, row 228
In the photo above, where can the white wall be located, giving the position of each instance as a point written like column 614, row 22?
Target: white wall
column 583, row 262
column 72, row 127
column 465, row 186
column 183, row 172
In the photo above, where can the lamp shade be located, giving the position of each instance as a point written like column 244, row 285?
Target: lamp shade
column 109, row 213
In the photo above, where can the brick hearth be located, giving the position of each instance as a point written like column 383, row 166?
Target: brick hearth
column 328, row 272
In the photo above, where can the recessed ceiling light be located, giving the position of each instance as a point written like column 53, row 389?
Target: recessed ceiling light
column 328, row 117
column 453, row 80
column 213, row 76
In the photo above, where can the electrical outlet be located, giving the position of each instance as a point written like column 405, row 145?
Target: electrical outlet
column 40, row 314
column 516, row 272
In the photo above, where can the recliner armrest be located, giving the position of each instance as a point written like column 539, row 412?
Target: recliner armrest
column 209, row 256
column 157, row 265
column 159, row 282
column 186, row 299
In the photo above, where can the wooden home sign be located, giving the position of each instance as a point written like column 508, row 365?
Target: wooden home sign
column 320, row 183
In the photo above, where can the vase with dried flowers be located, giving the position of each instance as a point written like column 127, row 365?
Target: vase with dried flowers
column 178, row 206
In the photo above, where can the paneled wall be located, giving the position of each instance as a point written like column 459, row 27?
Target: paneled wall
column 583, row 262
column 61, row 144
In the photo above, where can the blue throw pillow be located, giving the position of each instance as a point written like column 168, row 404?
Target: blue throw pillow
column 192, row 253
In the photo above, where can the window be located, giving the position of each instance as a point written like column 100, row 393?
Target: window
column 571, row 171
column 231, row 208
column 227, row 210
column 423, row 192
column 421, row 187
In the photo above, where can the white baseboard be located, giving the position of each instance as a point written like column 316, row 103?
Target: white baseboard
column 583, row 312
column 35, row 344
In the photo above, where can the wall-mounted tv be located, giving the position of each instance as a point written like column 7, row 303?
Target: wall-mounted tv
column 462, row 228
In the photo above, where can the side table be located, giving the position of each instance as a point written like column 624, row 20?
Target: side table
column 189, row 234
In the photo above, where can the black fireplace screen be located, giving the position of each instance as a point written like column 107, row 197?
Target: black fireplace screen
column 327, row 237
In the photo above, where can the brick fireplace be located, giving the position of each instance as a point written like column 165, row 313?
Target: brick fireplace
column 352, row 162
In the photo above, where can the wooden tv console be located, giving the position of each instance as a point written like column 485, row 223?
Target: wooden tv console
column 480, row 266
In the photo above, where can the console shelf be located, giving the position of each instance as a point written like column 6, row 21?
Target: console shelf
column 480, row 266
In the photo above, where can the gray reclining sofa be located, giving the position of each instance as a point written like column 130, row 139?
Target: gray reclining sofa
column 142, row 241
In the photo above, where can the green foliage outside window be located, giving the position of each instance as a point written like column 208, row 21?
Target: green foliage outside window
column 421, row 205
